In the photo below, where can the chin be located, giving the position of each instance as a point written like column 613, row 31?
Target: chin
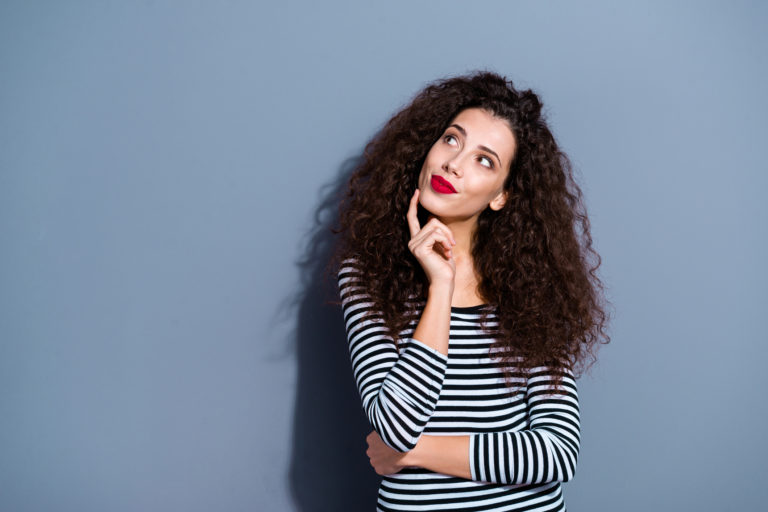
column 434, row 205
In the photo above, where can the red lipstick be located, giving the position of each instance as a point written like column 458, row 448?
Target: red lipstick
column 441, row 185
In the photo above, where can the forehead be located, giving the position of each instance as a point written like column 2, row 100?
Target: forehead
column 484, row 129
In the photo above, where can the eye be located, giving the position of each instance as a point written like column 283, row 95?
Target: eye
column 449, row 138
column 485, row 161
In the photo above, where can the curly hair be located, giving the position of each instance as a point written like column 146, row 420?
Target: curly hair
column 534, row 257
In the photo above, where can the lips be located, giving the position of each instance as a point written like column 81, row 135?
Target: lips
column 441, row 185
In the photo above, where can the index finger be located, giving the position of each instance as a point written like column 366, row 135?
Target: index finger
column 413, row 220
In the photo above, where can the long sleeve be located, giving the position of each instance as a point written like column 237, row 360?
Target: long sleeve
column 399, row 391
column 544, row 452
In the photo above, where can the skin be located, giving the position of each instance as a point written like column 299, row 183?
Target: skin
column 477, row 175
column 474, row 154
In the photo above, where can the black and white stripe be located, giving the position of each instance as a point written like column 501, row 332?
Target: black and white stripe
column 524, row 441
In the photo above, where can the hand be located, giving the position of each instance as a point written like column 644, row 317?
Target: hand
column 384, row 459
column 431, row 245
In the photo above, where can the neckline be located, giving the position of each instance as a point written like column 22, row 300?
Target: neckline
column 468, row 309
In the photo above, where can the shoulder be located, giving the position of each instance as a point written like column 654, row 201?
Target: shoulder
column 349, row 272
column 352, row 289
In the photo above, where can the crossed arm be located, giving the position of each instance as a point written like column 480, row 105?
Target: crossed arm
column 544, row 452
column 400, row 393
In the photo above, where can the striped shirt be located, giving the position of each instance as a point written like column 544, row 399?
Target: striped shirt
column 524, row 439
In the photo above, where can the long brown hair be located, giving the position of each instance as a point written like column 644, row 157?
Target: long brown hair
column 534, row 257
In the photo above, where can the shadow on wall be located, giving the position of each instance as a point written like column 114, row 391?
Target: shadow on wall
column 329, row 468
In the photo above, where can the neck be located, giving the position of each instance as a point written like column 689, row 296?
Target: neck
column 466, row 292
column 462, row 230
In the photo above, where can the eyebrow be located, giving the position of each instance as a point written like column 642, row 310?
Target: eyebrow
column 484, row 148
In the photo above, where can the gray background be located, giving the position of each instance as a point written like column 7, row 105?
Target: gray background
column 168, row 171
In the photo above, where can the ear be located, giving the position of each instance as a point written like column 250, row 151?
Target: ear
column 498, row 202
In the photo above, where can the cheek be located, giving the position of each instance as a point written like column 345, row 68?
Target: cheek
column 423, row 174
column 486, row 191
column 431, row 160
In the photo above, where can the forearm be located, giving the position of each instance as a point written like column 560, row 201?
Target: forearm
column 525, row 457
column 533, row 456
column 399, row 390
column 448, row 455
column 434, row 325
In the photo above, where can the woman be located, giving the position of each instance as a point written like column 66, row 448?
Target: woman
column 468, row 286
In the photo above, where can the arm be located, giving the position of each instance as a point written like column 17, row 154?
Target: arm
column 545, row 452
column 399, row 391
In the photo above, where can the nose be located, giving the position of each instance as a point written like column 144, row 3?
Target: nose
column 452, row 166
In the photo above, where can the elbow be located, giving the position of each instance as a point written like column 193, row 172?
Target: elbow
column 394, row 438
column 563, row 456
column 399, row 432
column 408, row 445
column 569, row 467
column 405, row 449
column 401, row 445
column 568, row 474
column 562, row 474
column 405, row 445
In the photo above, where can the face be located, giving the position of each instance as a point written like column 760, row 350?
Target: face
column 464, row 171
